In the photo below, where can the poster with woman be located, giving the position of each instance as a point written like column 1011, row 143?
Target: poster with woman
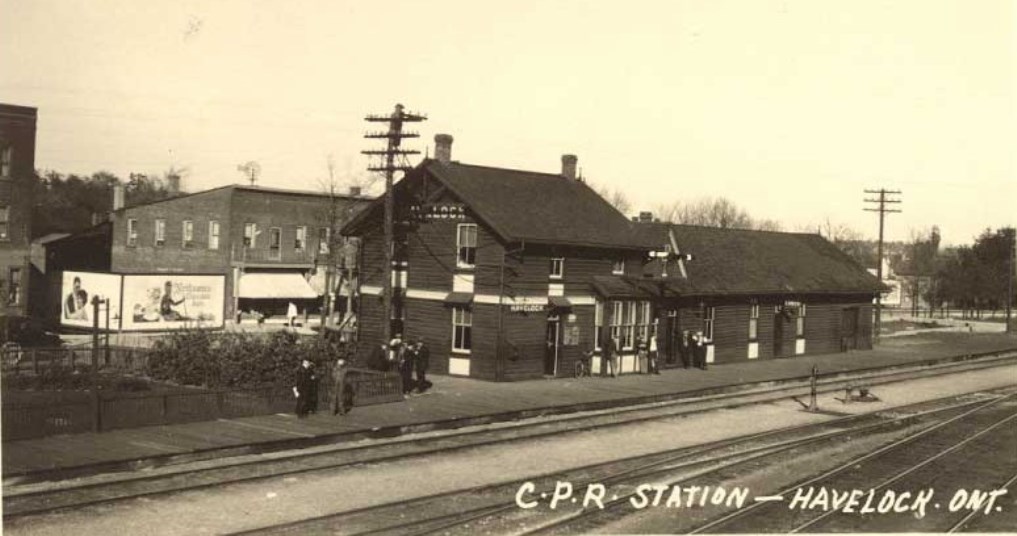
column 170, row 301
column 77, row 291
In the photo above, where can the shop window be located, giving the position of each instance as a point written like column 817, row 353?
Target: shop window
column 275, row 243
column 160, row 233
column 188, row 232
column 213, row 235
column 5, row 215
column 462, row 327
column 709, row 315
column 14, row 294
column 557, row 268
column 250, row 233
column 301, row 241
column 323, row 236
column 619, row 267
column 754, row 322
column 800, row 322
column 132, row 233
column 6, row 159
column 466, row 245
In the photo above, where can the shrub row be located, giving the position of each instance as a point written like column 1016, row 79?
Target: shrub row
column 235, row 359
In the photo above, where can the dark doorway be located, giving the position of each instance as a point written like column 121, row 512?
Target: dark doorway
column 553, row 346
column 849, row 329
column 778, row 335
column 673, row 337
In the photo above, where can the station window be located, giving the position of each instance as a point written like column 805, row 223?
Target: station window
column 132, row 233
column 462, row 328
column 466, row 245
column 619, row 267
column 213, row 235
column 250, row 233
column 188, row 233
column 598, row 324
column 160, row 232
column 301, row 241
column 754, row 321
column 709, row 315
column 800, row 321
column 557, row 268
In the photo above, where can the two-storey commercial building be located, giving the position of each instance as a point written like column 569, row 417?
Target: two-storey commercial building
column 509, row 274
column 17, row 172
column 271, row 245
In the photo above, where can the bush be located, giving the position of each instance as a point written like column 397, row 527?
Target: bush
column 235, row 359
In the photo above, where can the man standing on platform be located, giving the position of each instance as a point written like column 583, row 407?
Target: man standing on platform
column 423, row 360
column 304, row 386
column 407, row 360
column 688, row 349
column 612, row 356
column 654, row 364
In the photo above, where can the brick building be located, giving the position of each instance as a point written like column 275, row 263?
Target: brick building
column 509, row 274
column 17, row 172
column 272, row 245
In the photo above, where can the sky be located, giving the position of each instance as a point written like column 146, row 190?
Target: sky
column 791, row 109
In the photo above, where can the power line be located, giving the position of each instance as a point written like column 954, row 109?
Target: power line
column 883, row 200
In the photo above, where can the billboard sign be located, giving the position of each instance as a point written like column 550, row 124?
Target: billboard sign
column 170, row 301
column 76, row 292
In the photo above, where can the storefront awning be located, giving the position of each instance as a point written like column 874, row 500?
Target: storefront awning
column 560, row 302
column 459, row 298
column 290, row 285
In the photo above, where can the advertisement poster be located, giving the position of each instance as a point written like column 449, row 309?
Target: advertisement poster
column 76, row 292
column 159, row 302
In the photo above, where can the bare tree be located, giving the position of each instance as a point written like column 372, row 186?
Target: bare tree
column 615, row 197
column 710, row 212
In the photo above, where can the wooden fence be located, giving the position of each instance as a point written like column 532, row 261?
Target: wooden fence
column 84, row 411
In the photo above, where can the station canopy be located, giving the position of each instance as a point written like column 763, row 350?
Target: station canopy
column 285, row 285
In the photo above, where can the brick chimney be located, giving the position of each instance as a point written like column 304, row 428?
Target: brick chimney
column 443, row 148
column 568, row 166
column 645, row 217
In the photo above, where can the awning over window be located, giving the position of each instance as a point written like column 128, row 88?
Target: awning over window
column 459, row 298
column 560, row 302
column 275, row 285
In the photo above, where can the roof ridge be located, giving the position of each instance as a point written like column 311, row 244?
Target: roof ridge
column 511, row 170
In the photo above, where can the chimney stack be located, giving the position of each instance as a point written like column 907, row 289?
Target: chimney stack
column 173, row 183
column 118, row 197
column 568, row 166
column 355, row 191
column 443, row 148
column 645, row 217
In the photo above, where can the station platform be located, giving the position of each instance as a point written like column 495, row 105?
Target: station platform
column 452, row 403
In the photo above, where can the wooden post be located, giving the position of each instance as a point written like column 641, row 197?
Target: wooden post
column 96, row 405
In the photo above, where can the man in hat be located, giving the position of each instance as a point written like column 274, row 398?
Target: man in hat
column 407, row 360
column 423, row 360
column 303, row 388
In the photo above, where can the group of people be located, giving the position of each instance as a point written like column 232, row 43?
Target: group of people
column 692, row 352
column 306, row 389
column 408, row 357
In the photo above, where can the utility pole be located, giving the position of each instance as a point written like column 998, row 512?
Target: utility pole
column 394, row 159
column 1011, row 238
column 883, row 200
column 251, row 170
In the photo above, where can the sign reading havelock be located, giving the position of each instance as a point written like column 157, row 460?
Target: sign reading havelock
column 508, row 274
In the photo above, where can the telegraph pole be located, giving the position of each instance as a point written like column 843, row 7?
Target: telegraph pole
column 1011, row 236
column 882, row 201
column 394, row 159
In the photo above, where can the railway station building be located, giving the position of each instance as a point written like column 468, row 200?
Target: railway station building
column 508, row 275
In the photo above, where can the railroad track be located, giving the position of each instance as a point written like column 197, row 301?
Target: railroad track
column 494, row 508
column 939, row 457
column 21, row 501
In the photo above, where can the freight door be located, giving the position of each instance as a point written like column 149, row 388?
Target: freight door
column 849, row 329
column 553, row 346
column 778, row 335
